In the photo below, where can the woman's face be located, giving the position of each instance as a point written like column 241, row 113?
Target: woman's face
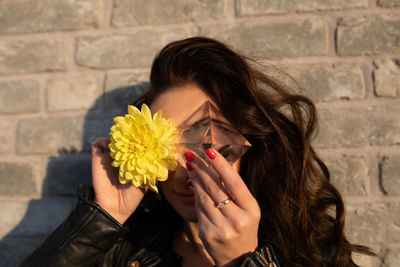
column 179, row 104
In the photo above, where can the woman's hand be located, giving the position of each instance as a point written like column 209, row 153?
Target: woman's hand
column 119, row 200
column 229, row 231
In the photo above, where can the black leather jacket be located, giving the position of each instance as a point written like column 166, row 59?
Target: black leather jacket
column 89, row 236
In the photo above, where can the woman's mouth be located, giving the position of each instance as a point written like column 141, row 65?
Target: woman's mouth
column 186, row 197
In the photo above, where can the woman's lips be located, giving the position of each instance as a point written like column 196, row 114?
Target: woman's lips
column 186, row 197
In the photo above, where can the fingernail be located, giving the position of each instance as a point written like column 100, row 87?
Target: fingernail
column 211, row 153
column 189, row 167
column 108, row 142
column 189, row 155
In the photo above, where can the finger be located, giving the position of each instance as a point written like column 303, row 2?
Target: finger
column 212, row 189
column 206, row 227
column 99, row 147
column 209, row 178
column 233, row 183
column 204, row 203
column 101, row 161
column 100, row 144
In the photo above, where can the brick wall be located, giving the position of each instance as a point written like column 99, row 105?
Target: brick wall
column 66, row 68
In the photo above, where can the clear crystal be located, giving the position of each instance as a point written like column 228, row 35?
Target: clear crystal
column 207, row 128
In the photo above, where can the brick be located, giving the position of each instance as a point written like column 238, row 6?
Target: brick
column 50, row 135
column 354, row 127
column 368, row 35
column 17, row 178
column 121, row 51
column 387, row 78
column 63, row 135
column 123, row 89
column 390, row 175
column 391, row 258
column 38, row 217
column 13, row 250
column 20, row 16
column 19, row 96
column 100, row 126
column 389, row 3
column 329, row 82
column 6, row 131
column 31, row 56
column 294, row 38
column 72, row 92
column 349, row 174
column 132, row 13
column 260, row 7
column 373, row 222
column 66, row 172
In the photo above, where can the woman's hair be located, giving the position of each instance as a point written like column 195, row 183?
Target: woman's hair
column 302, row 213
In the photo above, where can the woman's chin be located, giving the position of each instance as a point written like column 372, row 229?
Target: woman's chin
column 188, row 214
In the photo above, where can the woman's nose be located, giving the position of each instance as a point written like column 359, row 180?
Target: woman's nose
column 182, row 175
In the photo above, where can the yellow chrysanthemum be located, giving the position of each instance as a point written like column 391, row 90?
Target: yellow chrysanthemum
column 143, row 147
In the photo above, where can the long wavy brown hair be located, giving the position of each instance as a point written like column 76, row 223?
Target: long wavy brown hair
column 302, row 213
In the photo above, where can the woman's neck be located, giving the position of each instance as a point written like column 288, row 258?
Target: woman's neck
column 188, row 244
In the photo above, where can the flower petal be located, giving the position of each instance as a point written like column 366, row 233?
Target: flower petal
column 143, row 147
column 133, row 111
column 146, row 113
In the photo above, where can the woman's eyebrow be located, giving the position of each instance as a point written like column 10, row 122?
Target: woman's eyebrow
column 217, row 121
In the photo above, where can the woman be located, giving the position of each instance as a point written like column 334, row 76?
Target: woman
column 270, row 208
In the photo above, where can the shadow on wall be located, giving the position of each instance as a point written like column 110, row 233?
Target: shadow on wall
column 64, row 173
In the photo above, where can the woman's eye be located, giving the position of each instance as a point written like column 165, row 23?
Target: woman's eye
column 226, row 152
column 198, row 127
column 227, row 130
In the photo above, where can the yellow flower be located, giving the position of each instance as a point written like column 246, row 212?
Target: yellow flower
column 143, row 147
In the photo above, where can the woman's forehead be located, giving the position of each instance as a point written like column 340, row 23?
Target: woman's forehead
column 181, row 102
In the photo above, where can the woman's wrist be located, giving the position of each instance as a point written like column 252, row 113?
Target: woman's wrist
column 121, row 218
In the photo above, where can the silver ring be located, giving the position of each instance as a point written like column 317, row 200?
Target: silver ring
column 220, row 205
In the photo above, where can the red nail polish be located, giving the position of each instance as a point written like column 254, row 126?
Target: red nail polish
column 189, row 167
column 189, row 155
column 211, row 153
